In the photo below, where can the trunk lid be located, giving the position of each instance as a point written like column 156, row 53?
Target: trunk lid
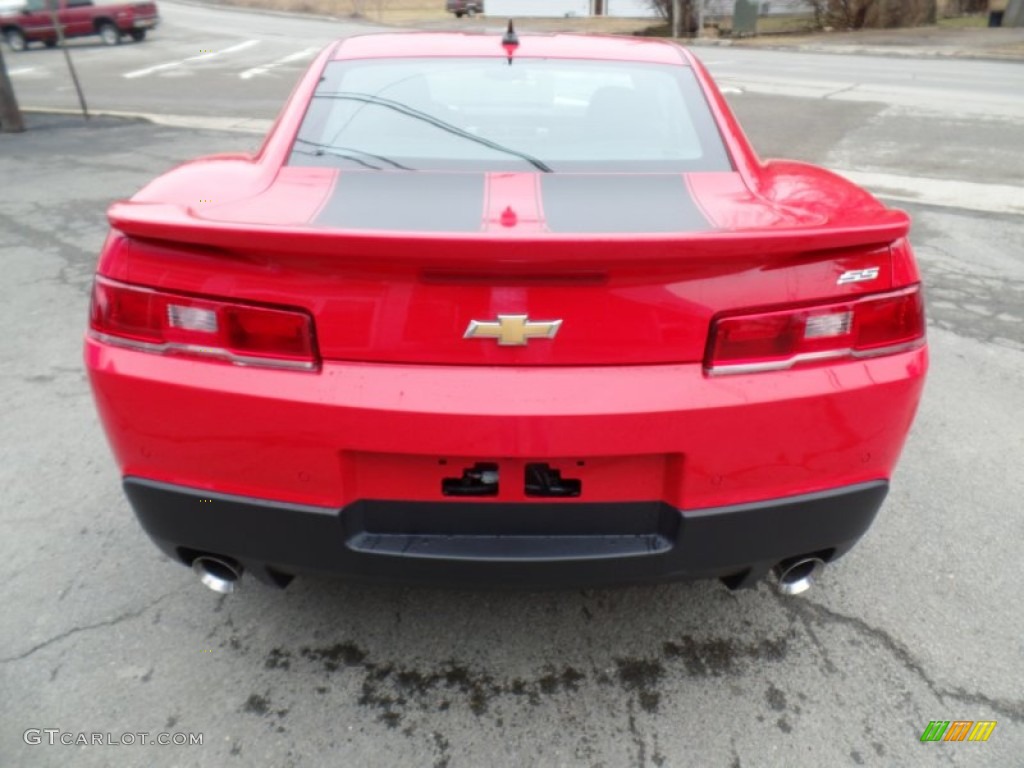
column 549, row 269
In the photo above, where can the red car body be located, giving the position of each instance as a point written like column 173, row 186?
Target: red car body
column 512, row 376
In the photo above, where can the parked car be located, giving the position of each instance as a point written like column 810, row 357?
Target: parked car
column 33, row 22
column 464, row 7
column 498, row 309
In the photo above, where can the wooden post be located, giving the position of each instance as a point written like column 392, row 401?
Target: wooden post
column 67, row 56
column 10, row 115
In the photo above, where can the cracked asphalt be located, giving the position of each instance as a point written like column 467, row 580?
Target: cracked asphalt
column 101, row 633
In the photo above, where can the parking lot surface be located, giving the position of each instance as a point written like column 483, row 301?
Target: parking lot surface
column 922, row 621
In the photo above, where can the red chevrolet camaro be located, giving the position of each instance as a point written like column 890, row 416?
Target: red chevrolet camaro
column 525, row 311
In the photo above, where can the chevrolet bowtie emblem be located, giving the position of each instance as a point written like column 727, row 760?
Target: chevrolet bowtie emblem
column 512, row 330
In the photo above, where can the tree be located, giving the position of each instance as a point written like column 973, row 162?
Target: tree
column 857, row 14
column 688, row 13
column 842, row 14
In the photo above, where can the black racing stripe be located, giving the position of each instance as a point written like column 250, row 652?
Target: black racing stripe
column 406, row 201
column 620, row 203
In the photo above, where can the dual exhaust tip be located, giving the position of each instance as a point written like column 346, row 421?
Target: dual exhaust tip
column 796, row 575
column 221, row 574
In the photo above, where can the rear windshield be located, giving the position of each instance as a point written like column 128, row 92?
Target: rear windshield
column 483, row 114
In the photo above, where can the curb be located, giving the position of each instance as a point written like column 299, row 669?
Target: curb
column 848, row 49
column 896, row 52
column 281, row 14
column 250, row 125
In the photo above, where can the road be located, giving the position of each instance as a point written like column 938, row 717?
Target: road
column 922, row 621
column 200, row 61
column 201, row 58
column 217, row 67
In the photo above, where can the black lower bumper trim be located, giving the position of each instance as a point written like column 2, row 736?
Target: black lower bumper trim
column 515, row 544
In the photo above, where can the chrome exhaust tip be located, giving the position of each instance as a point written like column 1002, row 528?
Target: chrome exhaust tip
column 218, row 573
column 797, row 575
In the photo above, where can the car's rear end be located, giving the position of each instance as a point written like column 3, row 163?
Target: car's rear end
column 539, row 323
column 137, row 19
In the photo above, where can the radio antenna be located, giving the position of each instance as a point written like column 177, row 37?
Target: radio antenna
column 510, row 42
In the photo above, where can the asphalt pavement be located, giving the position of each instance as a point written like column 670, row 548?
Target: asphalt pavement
column 922, row 621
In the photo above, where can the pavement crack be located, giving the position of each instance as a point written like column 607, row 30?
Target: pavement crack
column 809, row 610
column 638, row 739
column 830, row 666
column 830, row 94
column 126, row 616
column 1014, row 710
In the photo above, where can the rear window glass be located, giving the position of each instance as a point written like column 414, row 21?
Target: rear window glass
column 483, row 114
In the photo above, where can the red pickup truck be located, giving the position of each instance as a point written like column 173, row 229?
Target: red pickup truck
column 33, row 22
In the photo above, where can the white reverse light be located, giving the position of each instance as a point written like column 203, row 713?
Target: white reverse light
column 822, row 326
column 192, row 318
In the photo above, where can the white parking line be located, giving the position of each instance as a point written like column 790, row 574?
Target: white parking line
column 306, row 54
column 200, row 57
column 20, row 71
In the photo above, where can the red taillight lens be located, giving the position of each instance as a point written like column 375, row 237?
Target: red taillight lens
column 889, row 320
column 776, row 339
column 126, row 312
column 169, row 323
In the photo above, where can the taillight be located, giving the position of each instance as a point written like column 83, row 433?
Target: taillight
column 774, row 339
column 169, row 323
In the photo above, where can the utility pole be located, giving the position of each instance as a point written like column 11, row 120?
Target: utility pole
column 10, row 115
column 67, row 56
column 677, row 13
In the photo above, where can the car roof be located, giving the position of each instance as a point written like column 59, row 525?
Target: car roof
column 430, row 44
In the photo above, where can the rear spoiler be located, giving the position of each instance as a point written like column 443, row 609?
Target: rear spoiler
column 177, row 224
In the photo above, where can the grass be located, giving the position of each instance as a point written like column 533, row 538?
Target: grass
column 786, row 25
column 794, row 24
column 965, row 22
column 384, row 11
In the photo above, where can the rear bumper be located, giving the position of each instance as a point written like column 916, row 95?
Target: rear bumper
column 344, row 470
column 519, row 545
column 356, row 431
